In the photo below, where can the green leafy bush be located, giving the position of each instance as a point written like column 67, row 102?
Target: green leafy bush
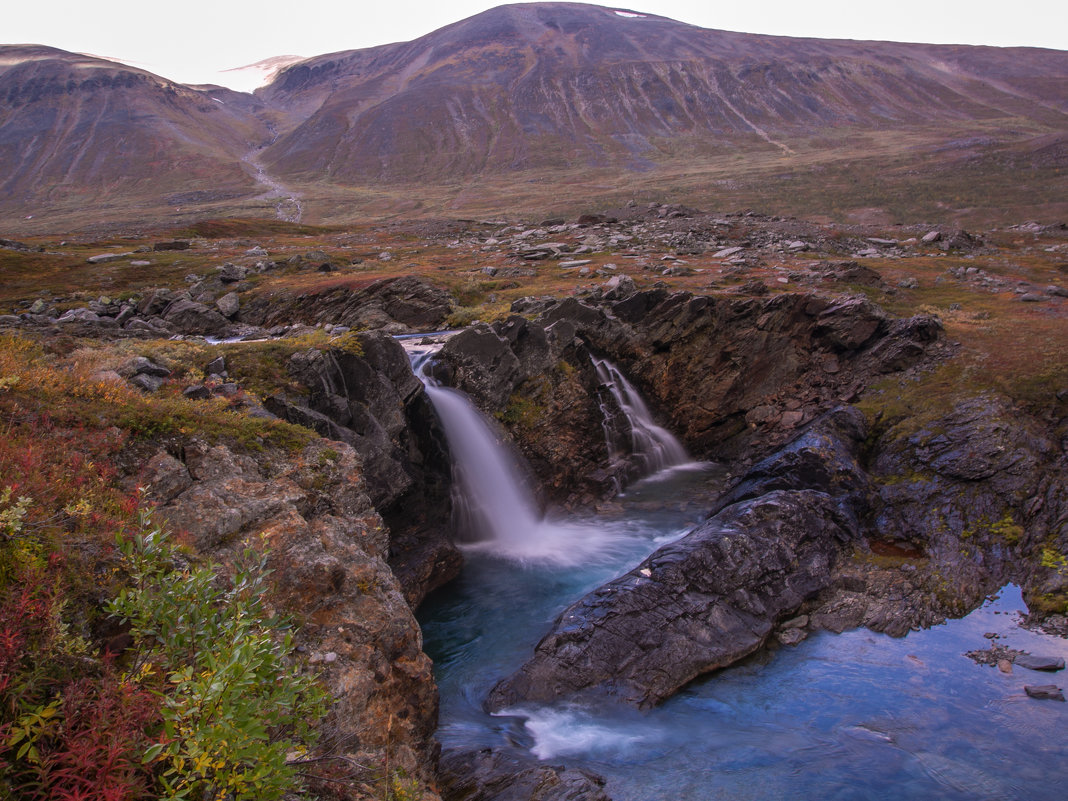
column 233, row 705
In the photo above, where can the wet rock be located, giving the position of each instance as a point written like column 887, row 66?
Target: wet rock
column 1044, row 692
column 1045, row 663
column 494, row 775
column 791, row 636
column 695, row 605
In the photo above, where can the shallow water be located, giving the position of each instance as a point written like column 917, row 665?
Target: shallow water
column 851, row 716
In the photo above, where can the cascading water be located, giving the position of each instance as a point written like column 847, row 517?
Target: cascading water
column 653, row 447
column 495, row 500
column 497, row 510
column 858, row 716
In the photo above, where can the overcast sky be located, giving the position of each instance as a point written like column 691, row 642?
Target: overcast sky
column 193, row 40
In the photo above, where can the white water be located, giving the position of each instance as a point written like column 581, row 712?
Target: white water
column 652, row 445
column 497, row 510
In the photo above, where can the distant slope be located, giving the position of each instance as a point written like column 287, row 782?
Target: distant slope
column 74, row 128
column 542, row 107
column 562, row 85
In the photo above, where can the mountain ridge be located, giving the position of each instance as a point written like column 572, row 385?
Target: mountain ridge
column 540, row 94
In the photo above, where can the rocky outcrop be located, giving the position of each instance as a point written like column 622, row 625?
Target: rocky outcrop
column 368, row 397
column 696, row 605
column 983, row 489
column 734, row 377
column 328, row 549
column 394, row 305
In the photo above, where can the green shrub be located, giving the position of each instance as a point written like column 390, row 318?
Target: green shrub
column 233, row 706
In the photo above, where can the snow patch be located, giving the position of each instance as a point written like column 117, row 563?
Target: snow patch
column 629, row 15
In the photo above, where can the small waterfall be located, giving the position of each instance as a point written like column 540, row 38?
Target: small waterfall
column 653, row 447
column 498, row 512
column 495, row 502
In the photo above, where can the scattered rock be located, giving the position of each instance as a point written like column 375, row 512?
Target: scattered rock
column 103, row 258
column 175, row 244
column 228, row 305
column 1045, row 663
column 1044, row 692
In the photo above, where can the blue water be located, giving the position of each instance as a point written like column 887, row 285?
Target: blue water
column 852, row 716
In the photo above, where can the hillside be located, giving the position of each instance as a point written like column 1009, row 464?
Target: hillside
column 544, row 109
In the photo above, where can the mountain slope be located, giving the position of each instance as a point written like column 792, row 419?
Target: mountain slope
column 561, row 85
column 75, row 127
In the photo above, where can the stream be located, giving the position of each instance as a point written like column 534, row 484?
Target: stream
column 858, row 715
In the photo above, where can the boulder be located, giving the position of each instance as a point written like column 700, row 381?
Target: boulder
column 696, row 605
column 228, row 305
column 191, row 317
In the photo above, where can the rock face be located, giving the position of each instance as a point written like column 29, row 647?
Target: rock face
column 328, row 550
column 369, row 398
column 984, row 489
column 732, row 377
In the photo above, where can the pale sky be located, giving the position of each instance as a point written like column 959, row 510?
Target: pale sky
column 193, row 40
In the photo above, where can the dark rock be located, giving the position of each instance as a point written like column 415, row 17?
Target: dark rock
column 230, row 273
column 824, row 458
column 1046, row 663
column 372, row 401
column 494, row 775
column 849, row 324
column 1044, row 692
column 149, row 383
column 197, row 392
column 216, row 366
column 404, row 303
column 698, row 604
column 228, row 305
column 176, row 244
column 190, row 317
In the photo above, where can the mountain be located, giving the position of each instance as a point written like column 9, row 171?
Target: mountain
column 546, row 108
column 78, row 130
column 551, row 85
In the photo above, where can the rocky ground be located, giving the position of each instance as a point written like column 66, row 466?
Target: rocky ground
column 892, row 404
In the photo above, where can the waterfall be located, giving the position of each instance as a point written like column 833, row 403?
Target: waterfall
column 495, row 502
column 653, row 447
column 497, row 510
